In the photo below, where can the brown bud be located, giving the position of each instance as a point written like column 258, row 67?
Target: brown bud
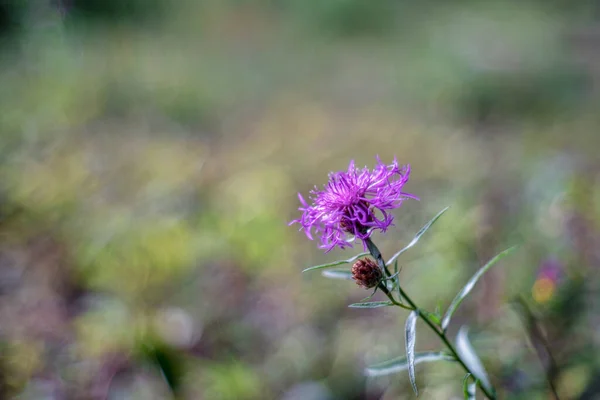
column 366, row 273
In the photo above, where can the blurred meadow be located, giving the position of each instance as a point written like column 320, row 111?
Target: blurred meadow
column 151, row 152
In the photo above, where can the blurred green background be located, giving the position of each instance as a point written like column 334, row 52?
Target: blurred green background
column 150, row 156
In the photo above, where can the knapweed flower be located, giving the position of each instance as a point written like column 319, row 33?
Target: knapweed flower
column 366, row 273
column 354, row 202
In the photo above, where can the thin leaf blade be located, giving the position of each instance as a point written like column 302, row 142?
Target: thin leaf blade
column 400, row 364
column 469, row 388
column 467, row 353
column 418, row 235
column 396, row 280
column 343, row 274
column 410, row 337
column 432, row 317
column 470, row 284
column 472, row 390
column 372, row 304
column 336, row 263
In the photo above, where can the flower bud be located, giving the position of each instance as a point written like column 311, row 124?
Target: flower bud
column 366, row 273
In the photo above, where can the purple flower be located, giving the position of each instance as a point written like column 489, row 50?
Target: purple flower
column 550, row 269
column 354, row 202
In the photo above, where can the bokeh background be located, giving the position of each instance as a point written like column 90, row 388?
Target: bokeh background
column 150, row 156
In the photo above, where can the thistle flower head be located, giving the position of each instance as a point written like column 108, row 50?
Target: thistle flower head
column 354, row 203
column 366, row 273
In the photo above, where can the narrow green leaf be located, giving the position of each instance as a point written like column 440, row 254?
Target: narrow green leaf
column 410, row 337
column 469, row 388
column 397, row 281
column 371, row 295
column 466, row 383
column 337, row 274
column 400, row 364
column 336, row 263
column 391, row 282
column 472, row 390
column 467, row 353
column 372, row 304
column 432, row 317
column 417, row 236
column 469, row 286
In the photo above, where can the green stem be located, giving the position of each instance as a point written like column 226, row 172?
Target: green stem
column 442, row 335
column 438, row 331
column 385, row 290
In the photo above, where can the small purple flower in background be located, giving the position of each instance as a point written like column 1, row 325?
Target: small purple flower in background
column 356, row 202
column 547, row 281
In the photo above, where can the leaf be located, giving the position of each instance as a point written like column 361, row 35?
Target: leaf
column 395, row 278
column 469, row 286
column 372, row 304
column 467, row 353
column 400, row 364
column 391, row 282
column 371, row 295
column 410, row 336
column 418, row 235
column 432, row 317
column 337, row 274
column 469, row 388
column 336, row 263
column 397, row 281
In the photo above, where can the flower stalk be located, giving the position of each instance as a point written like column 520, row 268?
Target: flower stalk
column 490, row 394
column 350, row 207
